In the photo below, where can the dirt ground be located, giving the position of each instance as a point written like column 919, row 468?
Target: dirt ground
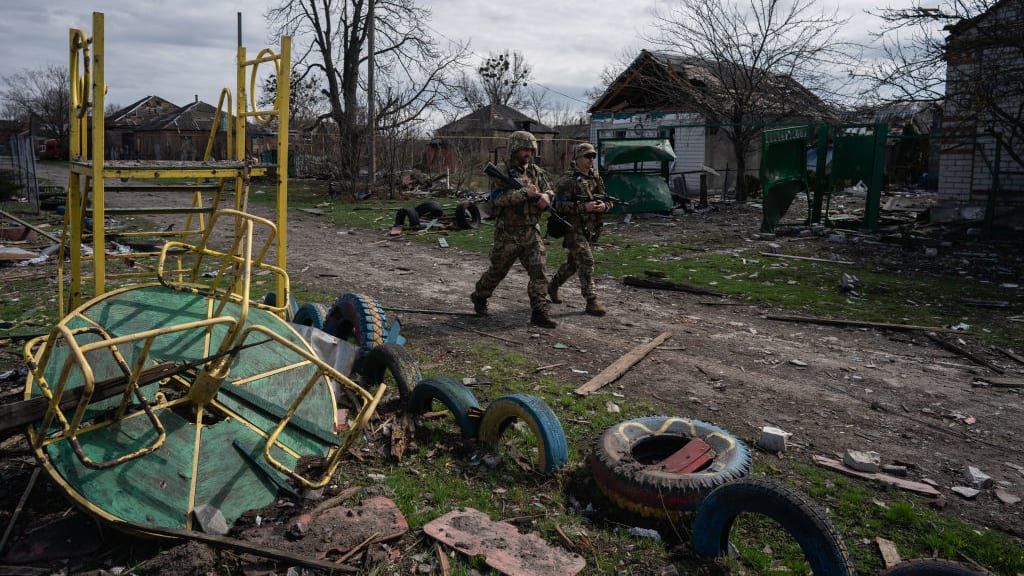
column 832, row 388
column 896, row 394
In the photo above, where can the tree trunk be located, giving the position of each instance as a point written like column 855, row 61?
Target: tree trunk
column 739, row 150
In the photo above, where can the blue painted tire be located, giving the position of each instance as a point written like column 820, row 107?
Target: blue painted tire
column 311, row 314
column 359, row 317
column 453, row 394
column 932, row 567
column 553, row 450
column 395, row 359
column 271, row 300
column 624, row 460
column 801, row 518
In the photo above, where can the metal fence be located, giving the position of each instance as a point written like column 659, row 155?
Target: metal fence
column 22, row 162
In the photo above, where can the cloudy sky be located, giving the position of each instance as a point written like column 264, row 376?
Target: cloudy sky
column 181, row 48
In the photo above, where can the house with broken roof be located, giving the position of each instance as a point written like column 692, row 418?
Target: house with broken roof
column 483, row 135
column 982, row 139
column 156, row 129
column 658, row 95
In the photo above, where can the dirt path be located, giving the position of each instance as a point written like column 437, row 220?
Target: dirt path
column 833, row 388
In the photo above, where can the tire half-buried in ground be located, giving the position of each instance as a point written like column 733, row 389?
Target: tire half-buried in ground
column 801, row 518
column 625, row 464
column 453, row 394
column 553, row 450
column 359, row 317
column 395, row 359
column 467, row 215
column 311, row 314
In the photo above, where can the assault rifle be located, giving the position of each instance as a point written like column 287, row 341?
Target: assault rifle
column 494, row 172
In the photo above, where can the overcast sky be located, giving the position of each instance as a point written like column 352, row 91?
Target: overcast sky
column 181, row 48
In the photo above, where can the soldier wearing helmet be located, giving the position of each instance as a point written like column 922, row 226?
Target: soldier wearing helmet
column 517, row 229
column 578, row 198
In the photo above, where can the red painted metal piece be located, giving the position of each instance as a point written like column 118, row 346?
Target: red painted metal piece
column 693, row 456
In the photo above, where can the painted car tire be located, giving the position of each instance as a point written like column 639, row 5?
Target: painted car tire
column 360, row 317
column 552, row 446
column 271, row 300
column 932, row 567
column 395, row 359
column 311, row 314
column 650, row 492
column 800, row 517
column 453, row 394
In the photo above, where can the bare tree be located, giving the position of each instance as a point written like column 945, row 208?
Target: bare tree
column 331, row 42
column 501, row 78
column 306, row 102
column 537, row 104
column 745, row 62
column 928, row 57
column 41, row 97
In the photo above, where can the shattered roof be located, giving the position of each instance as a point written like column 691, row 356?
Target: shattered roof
column 196, row 116
column 140, row 112
column 494, row 117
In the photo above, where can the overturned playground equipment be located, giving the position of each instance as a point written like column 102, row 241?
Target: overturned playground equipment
column 182, row 391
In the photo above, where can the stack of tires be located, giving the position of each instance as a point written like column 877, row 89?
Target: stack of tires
column 467, row 215
column 358, row 318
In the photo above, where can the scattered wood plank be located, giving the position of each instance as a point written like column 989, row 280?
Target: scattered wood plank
column 943, row 343
column 335, row 500
column 918, row 487
column 621, row 366
column 18, row 508
column 656, row 284
column 254, row 548
column 442, row 560
column 1003, row 382
column 549, row 367
column 495, row 336
column 13, row 253
column 807, row 258
column 859, row 324
column 890, row 555
column 978, row 303
column 1011, row 354
column 53, row 238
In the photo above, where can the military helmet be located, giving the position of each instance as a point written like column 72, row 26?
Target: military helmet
column 521, row 139
column 583, row 149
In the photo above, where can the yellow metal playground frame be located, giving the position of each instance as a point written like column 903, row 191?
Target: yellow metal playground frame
column 89, row 168
column 236, row 265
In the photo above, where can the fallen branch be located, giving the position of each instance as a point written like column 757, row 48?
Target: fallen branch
column 334, row 501
column 549, row 367
column 261, row 550
column 858, row 324
column 495, row 336
column 27, row 225
column 357, row 548
column 18, row 508
column 1003, row 382
column 1011, row 354
column 621, row 366
column 656, row 284
column 807, row 258
column 963, row 352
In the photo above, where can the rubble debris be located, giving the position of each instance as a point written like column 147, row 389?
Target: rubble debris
column 644, row 533
column 862, row 461
column 621, row 366
column 1005, row 497
column 15, row 254
column 798, row 363
column 917, row 487
column 943, row 343
column 976, row 478
column 211, row 519
column 773, row 439
column 848, row 283
column 42, row 232
column 473, row 533
column 894, row 469
column 890, row 556
column 968, row 493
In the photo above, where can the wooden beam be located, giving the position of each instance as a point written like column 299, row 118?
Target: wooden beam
column 27, row 225
column 918, row 487
column 807, row 258
column 963, row 352
column 261, row 550
column 859, row 324
column 657, row 284
column 621, row 366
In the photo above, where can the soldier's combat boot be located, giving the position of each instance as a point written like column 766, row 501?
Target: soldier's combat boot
column 479, row 304
column 540, row 318
column 594, row 308
column 553, row 293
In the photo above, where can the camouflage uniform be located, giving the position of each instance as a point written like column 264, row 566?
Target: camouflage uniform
column 574, row 190
column 517, row 235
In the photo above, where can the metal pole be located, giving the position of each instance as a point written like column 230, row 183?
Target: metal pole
column 239, row 14
column 371, row 104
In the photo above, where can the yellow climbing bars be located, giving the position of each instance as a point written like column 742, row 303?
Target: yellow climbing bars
column 86, row 224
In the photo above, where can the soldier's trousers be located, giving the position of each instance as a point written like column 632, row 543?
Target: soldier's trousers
column 525, row 245
column 580, row 259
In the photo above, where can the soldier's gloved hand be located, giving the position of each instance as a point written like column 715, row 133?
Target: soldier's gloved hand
column 591, row 206
column 543, row 201
column 600, row 206
column 532, row 191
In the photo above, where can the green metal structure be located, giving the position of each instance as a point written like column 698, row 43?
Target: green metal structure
column 646, row 190
column 783, row 171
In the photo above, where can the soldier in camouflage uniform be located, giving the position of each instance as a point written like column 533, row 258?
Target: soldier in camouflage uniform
column 575, row 201
column 517, row 229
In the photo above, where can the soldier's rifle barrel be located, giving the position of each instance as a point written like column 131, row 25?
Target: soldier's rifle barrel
column 493, row 171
